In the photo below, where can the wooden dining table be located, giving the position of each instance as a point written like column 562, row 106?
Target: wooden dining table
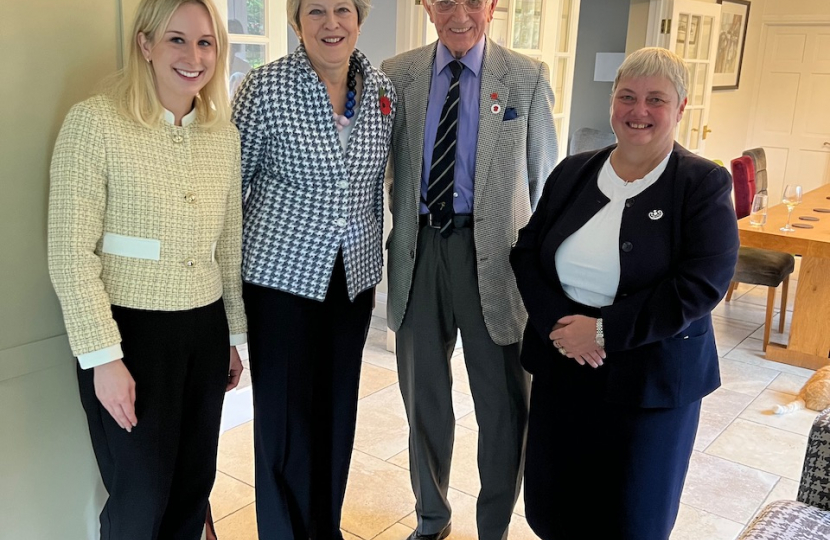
column 809, row 342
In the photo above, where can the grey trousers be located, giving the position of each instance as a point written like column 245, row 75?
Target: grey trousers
column 444, row 299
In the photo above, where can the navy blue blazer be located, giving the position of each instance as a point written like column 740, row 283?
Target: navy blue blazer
column 674, row 270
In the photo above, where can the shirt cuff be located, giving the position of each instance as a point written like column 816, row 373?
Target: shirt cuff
column 100, row 357
column 239, row 339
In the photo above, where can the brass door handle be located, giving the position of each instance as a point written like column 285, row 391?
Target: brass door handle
column 827, row 143
column 706, row 131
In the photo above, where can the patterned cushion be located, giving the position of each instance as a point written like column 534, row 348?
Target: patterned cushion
column 815, row 477
column 788, row 520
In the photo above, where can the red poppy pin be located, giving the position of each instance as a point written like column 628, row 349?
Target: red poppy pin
column 385, row 103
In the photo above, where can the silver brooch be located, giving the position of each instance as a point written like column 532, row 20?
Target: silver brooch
column 655, row 214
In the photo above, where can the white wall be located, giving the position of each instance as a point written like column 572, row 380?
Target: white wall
column 601, row 29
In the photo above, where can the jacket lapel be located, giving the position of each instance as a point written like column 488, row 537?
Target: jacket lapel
column 415, row 97
column 583, row 202
column 493, row 74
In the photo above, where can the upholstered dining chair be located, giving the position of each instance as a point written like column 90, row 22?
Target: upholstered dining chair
column 759, row 167
column 758, row 266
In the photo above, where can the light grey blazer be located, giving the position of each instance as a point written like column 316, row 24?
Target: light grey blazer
column 513, row 160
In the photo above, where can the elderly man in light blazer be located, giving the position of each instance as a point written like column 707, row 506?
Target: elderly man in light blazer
column 473, row 142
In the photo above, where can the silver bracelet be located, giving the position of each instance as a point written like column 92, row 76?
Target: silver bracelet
column 600, row 337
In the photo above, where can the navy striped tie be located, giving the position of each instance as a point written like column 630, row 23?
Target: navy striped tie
column 442, row 173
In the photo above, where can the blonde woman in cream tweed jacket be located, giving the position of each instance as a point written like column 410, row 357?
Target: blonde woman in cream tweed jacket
column 145, row 240
column 143, row 219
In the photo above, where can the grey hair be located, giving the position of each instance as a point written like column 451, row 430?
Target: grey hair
column 655, row 61
column 292, row 8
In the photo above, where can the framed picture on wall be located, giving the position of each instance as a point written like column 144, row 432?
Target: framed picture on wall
column 731, row 41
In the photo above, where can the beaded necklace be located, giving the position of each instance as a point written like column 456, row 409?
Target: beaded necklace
column 341, row 121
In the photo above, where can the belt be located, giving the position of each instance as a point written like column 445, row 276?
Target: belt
column 459, row 221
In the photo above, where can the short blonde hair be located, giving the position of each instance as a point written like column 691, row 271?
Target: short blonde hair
column 655, row 61
column 135, row 84
column 292, row 8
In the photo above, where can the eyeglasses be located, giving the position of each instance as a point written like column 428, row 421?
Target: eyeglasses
column 448, row 6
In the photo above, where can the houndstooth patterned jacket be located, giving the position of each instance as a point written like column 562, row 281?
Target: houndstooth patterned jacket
column 306, row 197
column 513, row 159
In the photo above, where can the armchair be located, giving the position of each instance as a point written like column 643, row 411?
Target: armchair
column 808, row 518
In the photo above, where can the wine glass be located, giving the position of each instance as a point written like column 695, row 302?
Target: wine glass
column 792, row 198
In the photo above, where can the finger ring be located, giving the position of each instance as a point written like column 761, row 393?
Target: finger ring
column 562, row 351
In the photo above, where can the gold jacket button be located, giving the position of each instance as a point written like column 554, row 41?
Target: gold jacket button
column 190, row 263
column 177, row 139
column 190, row 198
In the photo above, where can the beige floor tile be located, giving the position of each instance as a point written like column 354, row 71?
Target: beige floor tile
column 750, row 351
column 520, row 502
column 788, row 383
column 236, row 453
column 229, row 495
column 745, row 378
column 460, row 379
column 240, row 525
column 382, row 428
column 725, row 488
column 694, row 524
column 378, row 323
column 469, row 421
column 760, row 411
column 349, row 536
column 375, row 351
column 464, row 473
column 520, row 530
column 718, row 410
column 397, row 531
column 741, row 311
column 377, row 496
column 730, row 332
column 401, row 459
column 374, row 378
column 757, row 295
column 766, row 448
column 775, row 336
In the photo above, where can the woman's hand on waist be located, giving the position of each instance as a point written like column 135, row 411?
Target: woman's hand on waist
column 115, row 389
column 574, row 336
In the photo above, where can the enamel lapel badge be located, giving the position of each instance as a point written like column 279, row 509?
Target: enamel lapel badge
column 655, row 214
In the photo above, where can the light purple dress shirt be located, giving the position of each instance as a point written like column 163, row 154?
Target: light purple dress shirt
column 468, row 116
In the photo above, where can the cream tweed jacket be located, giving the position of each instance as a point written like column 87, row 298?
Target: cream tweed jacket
column 141, row 218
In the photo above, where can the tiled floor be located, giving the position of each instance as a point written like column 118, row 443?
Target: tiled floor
column 744, row 456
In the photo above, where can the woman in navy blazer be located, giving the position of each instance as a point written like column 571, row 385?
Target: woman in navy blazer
column 628, row 252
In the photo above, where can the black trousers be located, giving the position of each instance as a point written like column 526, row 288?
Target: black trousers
column 600, row 470
column 160, row 475
column 305, row 370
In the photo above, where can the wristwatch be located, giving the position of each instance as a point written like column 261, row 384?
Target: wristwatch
column 600, row 338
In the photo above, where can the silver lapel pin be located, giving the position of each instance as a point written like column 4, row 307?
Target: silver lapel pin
column 655, row 214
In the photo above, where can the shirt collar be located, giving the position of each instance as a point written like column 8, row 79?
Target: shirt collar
column 472, row 60
column 187, row 119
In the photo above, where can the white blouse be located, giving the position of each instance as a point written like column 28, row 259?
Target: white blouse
column 588, row 261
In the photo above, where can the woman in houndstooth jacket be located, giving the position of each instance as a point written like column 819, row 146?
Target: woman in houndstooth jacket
column 316, row 127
